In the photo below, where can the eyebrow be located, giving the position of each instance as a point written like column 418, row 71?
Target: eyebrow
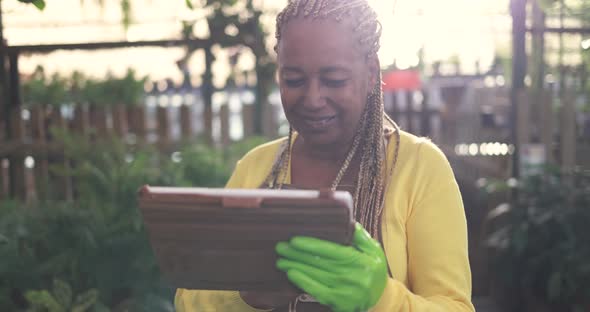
column 334, row 69
column 323, row 70
column 291, row 69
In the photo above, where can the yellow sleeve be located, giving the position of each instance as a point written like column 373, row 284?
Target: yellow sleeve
column 439, row 276
column 187, row 300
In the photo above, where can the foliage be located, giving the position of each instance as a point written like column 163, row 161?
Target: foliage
column 45, row 90
column 126, row 9
column 127, row 90
column 60, row 299
column 39, row 4
column 92, row 254
column 57, row 90
column 542, row 242
column 246, row 18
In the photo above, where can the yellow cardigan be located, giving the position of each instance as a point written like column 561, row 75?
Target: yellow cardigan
column 424, row 233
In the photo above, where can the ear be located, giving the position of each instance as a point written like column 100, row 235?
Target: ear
column 374, row 72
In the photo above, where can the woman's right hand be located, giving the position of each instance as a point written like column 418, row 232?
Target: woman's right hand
column 266, row 300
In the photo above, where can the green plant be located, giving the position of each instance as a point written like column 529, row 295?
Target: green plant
column 112, row 90
column 39, row 4
column 40, row 90
column 86, row 247
column 61, row 299
column 541, row 244
column 79, row 89
column 92, row 254
column 131, row 88
column 96, row 242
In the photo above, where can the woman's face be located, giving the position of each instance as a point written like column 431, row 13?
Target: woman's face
column 324, row 80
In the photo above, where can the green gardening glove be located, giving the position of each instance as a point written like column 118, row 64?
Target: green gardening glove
column 346, row 278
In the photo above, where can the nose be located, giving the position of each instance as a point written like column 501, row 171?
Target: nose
column 315, row 99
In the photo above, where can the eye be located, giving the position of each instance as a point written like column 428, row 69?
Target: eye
column 334, row 83
column 294, row 83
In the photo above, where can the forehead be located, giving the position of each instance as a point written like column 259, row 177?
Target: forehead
column 323, row 42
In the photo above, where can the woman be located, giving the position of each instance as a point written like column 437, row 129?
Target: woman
column 415, row 257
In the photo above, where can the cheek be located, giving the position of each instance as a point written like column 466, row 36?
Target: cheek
column 353, row 100
column 288, row 98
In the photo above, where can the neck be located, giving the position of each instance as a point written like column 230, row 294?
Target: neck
column 331, row 152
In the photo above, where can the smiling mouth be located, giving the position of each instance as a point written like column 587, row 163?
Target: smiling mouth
column 318, row 123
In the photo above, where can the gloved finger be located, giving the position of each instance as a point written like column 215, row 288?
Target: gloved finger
column 319, row 291
column 345, row 309
column 322, row 248
column 285, row 250
column 326, row 278
column 349, row 302
column 339, row 278
column 363, row 240
column 357, row 301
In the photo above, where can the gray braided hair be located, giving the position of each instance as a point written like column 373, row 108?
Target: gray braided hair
column 373, row 175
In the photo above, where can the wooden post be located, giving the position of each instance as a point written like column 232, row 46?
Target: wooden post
column 81, row 120
column 546, row 127
column 224, row 122
column 523, row 134
column 16, row 131
column 5, row 107
column 17, row 182
column 411, row 127
column 4, row 178
column 163, row 125
column 568, row 132
column 208, row 95
column 98, row 117
column 186, row 127
column 394, row 107
column 137, row 123
column 519, row 63
column 120, row 121
column 61, row 183
column 248, row 120
column 425, row 117
column 39, row 136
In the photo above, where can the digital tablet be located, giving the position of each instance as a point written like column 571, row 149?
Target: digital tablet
column 224, row 239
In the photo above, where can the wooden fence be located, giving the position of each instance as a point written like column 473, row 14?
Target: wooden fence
column 26, row 158
column 169, row 126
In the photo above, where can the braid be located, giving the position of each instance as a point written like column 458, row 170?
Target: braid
column 373, row 176
column 370, row 179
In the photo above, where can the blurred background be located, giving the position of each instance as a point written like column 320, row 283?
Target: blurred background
column 99, row 97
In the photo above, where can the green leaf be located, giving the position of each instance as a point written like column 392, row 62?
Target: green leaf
column 62, row 292
column 189, row 4
column 85, row 301
column 40, row 4
column 43, row 299
column 126, row 10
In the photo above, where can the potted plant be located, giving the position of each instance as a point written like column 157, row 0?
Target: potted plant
column 540, row 244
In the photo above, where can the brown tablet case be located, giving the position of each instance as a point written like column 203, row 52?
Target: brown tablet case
column 224, row 239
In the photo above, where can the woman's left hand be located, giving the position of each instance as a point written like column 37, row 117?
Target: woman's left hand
column 346, row 278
